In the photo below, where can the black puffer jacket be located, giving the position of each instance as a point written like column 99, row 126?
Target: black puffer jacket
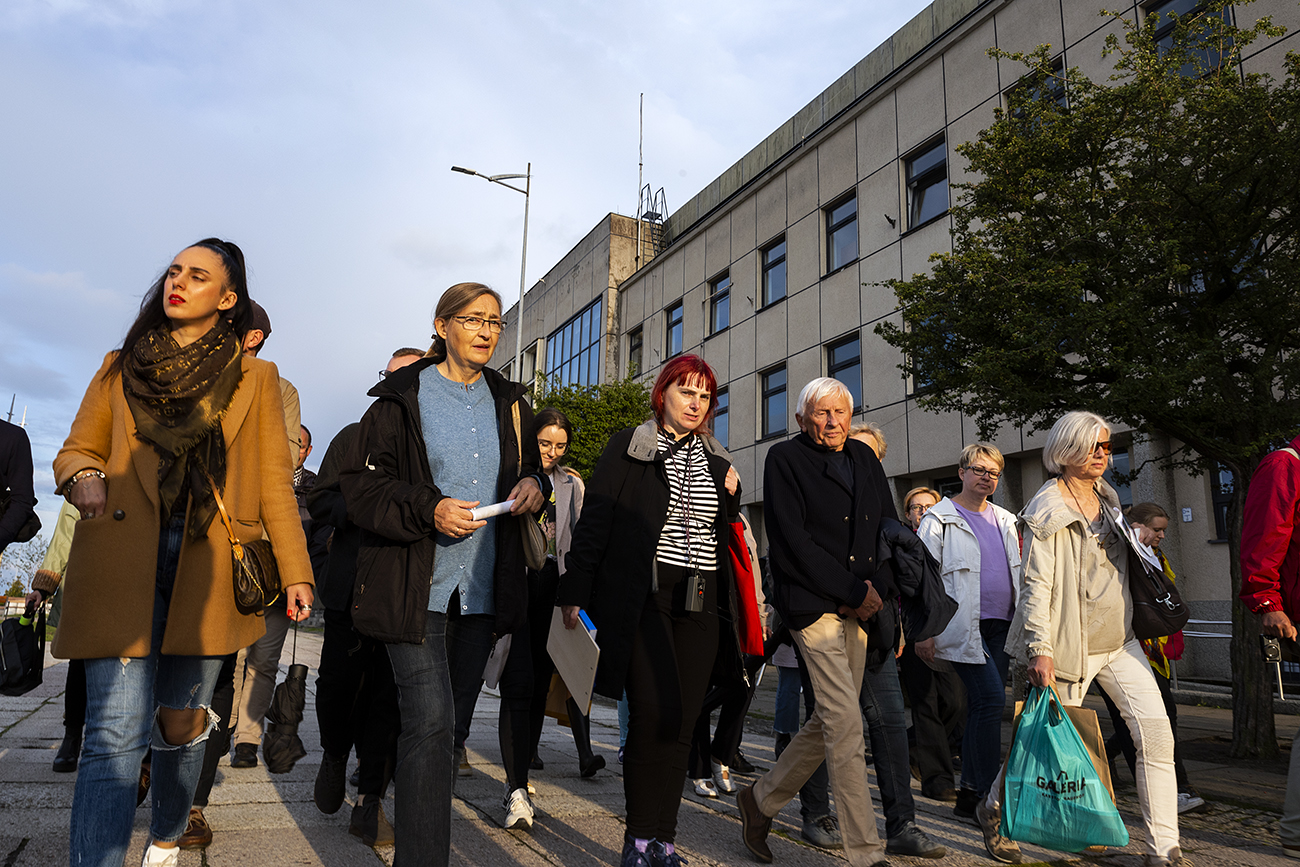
column 391, row 495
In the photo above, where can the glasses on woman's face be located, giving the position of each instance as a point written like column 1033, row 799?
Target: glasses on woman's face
column 1105, row 447
column 982, row 472
column 475, row 323
column 917, row 509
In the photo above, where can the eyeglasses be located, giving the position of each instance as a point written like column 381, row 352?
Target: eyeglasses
column 917, row 507
column 983, row 473
column 1105, row 447
column 475, row 323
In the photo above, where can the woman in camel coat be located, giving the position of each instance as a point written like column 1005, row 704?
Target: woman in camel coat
column 151, row 605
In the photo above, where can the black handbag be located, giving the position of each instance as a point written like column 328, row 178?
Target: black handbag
column 253, row 569
column 30, row 527
column 1158, row 609
column 530, row 532
column 22, row 653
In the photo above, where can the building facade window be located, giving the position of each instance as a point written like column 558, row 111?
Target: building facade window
column 722, row 417
column 1163, row 17
column 673, row 330
column 773, row 259
column 1052, row 89
column 576, row 347
column 844, row 362
column 1120, row 465
column 635, row 347
column 719, row 303
column 927, row 183
column 841, row 233
column 774, row 406
column 1220, row 498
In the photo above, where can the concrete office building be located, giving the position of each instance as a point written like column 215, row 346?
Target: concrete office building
column 772, row 272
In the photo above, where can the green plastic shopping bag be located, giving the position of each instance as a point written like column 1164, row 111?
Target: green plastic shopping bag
column 1053, row 796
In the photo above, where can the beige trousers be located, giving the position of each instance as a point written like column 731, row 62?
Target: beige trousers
column 835, row 651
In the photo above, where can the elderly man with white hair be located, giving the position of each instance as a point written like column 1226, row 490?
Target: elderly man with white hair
column 823, row 498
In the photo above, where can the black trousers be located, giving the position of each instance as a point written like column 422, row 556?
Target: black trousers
column 542, row 588
column 938, row 701
column 672, row 658
column 218, row 743
column 74, row 695
column 730, row 696
column 356, row 702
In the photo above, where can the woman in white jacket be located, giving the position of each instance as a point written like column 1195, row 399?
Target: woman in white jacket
column 1074, row 621
column 978, row 551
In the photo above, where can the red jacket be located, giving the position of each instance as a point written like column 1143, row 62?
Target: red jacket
column 1270, row 551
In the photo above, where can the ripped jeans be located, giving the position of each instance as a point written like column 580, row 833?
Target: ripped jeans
column 123, row 695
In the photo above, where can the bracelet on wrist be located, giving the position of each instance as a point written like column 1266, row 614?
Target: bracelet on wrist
column 81, row 474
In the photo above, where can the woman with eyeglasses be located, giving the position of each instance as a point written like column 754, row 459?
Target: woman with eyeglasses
column 917, row 502
column 1074, row 623
column 436, row 583
column 978, row 551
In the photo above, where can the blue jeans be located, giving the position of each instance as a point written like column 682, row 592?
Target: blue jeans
column 881, row 700
column 425, row 769
column 122, row 698
column 786, row 717
column 981, row 747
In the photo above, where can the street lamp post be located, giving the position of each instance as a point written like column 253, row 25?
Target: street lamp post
column 523, row 259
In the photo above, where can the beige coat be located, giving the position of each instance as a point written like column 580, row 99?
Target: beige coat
column 108, row 604
column 1050, row 615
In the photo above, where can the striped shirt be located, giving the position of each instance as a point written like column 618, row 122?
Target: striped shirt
column 689, row 538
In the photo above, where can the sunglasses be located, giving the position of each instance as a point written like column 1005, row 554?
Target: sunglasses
column 1105, row 447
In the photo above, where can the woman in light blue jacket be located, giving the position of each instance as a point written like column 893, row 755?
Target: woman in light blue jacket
column 978, row 550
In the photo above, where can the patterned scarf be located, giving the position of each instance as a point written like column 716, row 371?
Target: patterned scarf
column 177, row 395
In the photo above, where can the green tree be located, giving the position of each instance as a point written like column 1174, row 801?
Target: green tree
column 20, row 563
column 1133, row 250
column 597, row 412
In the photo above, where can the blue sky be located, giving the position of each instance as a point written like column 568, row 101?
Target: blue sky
column 319, row 136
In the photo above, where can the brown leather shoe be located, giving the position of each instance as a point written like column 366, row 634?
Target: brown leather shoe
column 756, row 826
column 198, row 833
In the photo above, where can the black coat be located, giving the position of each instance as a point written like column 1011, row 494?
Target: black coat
column 821, row 534
column 390, row 493
column 328, row 508
column 16, row 480
column 609, row 568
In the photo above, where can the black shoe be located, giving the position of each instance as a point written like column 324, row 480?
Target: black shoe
column 370, row 824
column 914, row 842
column 245, row 756
column 588, row 769
column 740, row 764
column 939, row 792
column 65, row 760
column 329, row 791
column 966, row 801
column 634, row 857
column 536, row 764
column 661, row 857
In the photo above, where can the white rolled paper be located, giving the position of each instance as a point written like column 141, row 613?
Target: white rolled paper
column 490, row 511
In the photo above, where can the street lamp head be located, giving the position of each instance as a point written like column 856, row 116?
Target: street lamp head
column 463, row 171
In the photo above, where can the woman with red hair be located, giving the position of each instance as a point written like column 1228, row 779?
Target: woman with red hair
column 648, row 563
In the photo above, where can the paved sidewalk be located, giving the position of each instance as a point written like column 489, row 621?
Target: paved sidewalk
column 261, row 819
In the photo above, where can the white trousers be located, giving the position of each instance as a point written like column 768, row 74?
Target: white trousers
column 1126, row 676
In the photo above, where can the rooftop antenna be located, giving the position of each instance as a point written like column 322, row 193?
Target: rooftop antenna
column 11, row 408
column 640, row 170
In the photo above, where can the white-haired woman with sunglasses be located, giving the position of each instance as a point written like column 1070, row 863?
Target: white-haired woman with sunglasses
column 1074, row 620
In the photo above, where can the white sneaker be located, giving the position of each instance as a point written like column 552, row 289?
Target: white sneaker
column 155, row 856
column 519, row 811
column 722, row 778
column 1187, row 802
column 704, row 788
